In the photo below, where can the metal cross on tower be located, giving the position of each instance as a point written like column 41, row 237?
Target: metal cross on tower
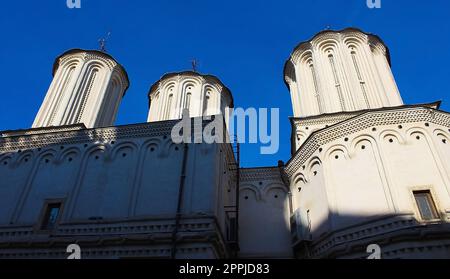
column 102, row 42
column 194, row 64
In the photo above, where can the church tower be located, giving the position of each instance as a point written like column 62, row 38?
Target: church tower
column 365, row 168
column 87, row 88
column 345, row 71
column 202, row 95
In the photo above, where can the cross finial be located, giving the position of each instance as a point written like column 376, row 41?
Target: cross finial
column 102, row 42
column 194, row 64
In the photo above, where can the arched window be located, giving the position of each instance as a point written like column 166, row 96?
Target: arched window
column 206, row 103
column 187, row 102
column 337, row 83
column 362, row 83
column 156, row 105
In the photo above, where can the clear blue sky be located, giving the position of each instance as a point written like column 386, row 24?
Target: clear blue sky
column 244, row 43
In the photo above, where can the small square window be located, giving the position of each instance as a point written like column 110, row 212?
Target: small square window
column 426, row 205
column 51, row 216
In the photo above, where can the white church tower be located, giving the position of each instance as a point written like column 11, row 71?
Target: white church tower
column 87, row 87
column 202, row 95
column 365, row 168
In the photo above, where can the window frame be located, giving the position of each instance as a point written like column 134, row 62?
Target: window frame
column 432, row 201
column 39, row 227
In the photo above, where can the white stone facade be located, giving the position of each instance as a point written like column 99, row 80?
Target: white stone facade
column 119, row 185
column 360, row 155
column 265, row 209
column 365, row 168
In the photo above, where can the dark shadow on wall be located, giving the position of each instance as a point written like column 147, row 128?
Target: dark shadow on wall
column 394, row 236
column 43, row 167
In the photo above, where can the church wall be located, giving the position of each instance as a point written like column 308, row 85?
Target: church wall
column 310, row 188
column 264, row 229
column 225, row 191
column 55, row 172
column 14, row 172
column 371, row 174
column 133, row 179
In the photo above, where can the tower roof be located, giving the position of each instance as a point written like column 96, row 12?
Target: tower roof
column 209, row 77
column 97, row 52
column 305, row 44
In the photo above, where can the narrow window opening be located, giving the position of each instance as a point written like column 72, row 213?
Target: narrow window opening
column 187, row 103
column 168, row 107
column 362, row 83
column 206, row 104
column 316, row 88
column 52, row 212
column 426, row 205
column 337, row 83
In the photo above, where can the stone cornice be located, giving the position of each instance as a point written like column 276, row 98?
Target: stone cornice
column 265, row 173
column 344, row 115
column 42, row 130
column 122, row 236
column 26, row 139
column 395, row 229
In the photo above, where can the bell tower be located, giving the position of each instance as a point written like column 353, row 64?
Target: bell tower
column 87, row 87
